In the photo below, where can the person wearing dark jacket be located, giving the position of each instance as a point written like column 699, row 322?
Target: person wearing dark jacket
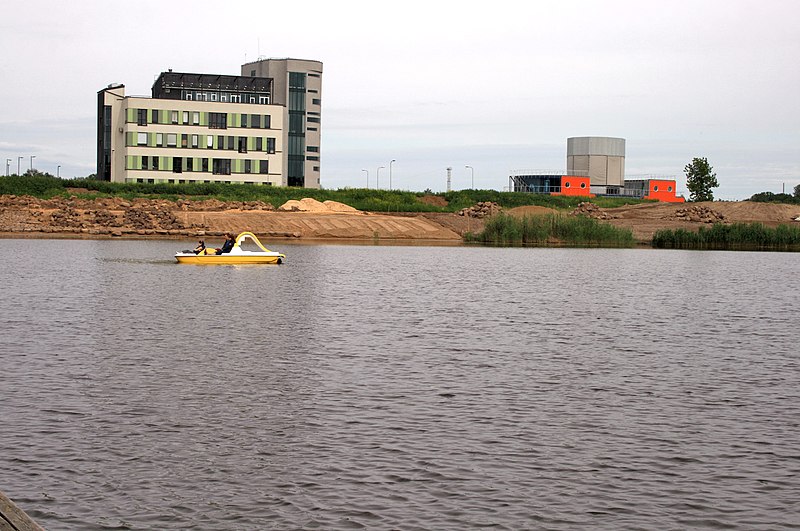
column 228, row 245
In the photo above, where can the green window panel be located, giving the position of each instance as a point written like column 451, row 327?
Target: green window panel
column 251, row 143
column 129, row 136
column 130, row 115
column 151, row 140
column 204, row 119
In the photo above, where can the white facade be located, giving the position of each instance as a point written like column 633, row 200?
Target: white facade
column 173, row 141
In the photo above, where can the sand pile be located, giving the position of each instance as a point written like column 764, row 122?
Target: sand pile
column 308, row 204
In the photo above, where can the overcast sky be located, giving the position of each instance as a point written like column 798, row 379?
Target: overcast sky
column 498, row 86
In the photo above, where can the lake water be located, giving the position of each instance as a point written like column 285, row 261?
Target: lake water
column 371, row 387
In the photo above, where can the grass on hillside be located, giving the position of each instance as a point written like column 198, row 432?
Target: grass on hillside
column 552, row 228
column 46, row 186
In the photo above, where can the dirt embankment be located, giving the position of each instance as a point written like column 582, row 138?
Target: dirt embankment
column 308, row 218
column 647, row 218
column 311, row 219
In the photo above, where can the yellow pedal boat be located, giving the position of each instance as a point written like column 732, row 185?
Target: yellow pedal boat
column 236, row 256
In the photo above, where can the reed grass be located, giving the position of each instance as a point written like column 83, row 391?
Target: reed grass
column 553, row 229
column 736, row 236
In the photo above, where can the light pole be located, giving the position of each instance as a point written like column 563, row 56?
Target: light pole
column 367, row 178
column 390, row 173
column 8, row 166
column 472, row 171
column 32, row 157
column 378, row 177
column 19, row 159
column 58, row 171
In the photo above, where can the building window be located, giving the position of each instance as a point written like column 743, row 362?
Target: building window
column 184, row 141
column 217, row 120
column 242, row 140
column 267, row 121
column 312, row 158
column 160, row 139
column 222, row 166
column 177, row 165
column 220, row 142
column 263, row 167
column 583, row 185
column 196, row 118
column 314, row 120
column 145, row 162
column 141, row 139
column 669, row 188
column 172, row 139
column 213, row 96
column 316, row 168
column 142, row 117
column 223, row 98
column 236, row 98
column 270, row 145
column 655, row 188
column 189, row 96
column 312, row 149
column 244, row 120
column 252, row 73
column 174, row 117
column 252, row 99
column 316, row 101
column 312, row 129
column 189, row 164
column 255, row 121
column 231, row 143
column 155, row 163
column 195, row 140
column 248, row 166
column 259, row 144
column 566, row 185
column 205, row 165
column 209, row 141
column 154, row 117
column 185, row 117
column 263, row 100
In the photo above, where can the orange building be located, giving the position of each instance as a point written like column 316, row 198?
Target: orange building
column 656, row 189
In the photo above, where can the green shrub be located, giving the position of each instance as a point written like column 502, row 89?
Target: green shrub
column 736, row 236
column 552, row 228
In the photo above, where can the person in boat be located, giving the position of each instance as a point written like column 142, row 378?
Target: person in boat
column 228, row 245
column 201, row 247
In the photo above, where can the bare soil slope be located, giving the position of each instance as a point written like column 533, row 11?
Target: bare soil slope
column 310, row 219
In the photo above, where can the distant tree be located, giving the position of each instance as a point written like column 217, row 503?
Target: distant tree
column 797, row 191
column 700, row 179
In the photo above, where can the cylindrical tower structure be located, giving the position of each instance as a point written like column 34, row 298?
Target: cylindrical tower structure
column 602, row 158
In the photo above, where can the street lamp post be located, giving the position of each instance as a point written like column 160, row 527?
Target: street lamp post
column 472, row 171
column 390, row 173
column 32, row 157
column 367, row 178
column 19, row 159
column 378, row 177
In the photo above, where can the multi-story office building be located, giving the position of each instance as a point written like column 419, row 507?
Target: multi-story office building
column 297, row 87
column 206, row 128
